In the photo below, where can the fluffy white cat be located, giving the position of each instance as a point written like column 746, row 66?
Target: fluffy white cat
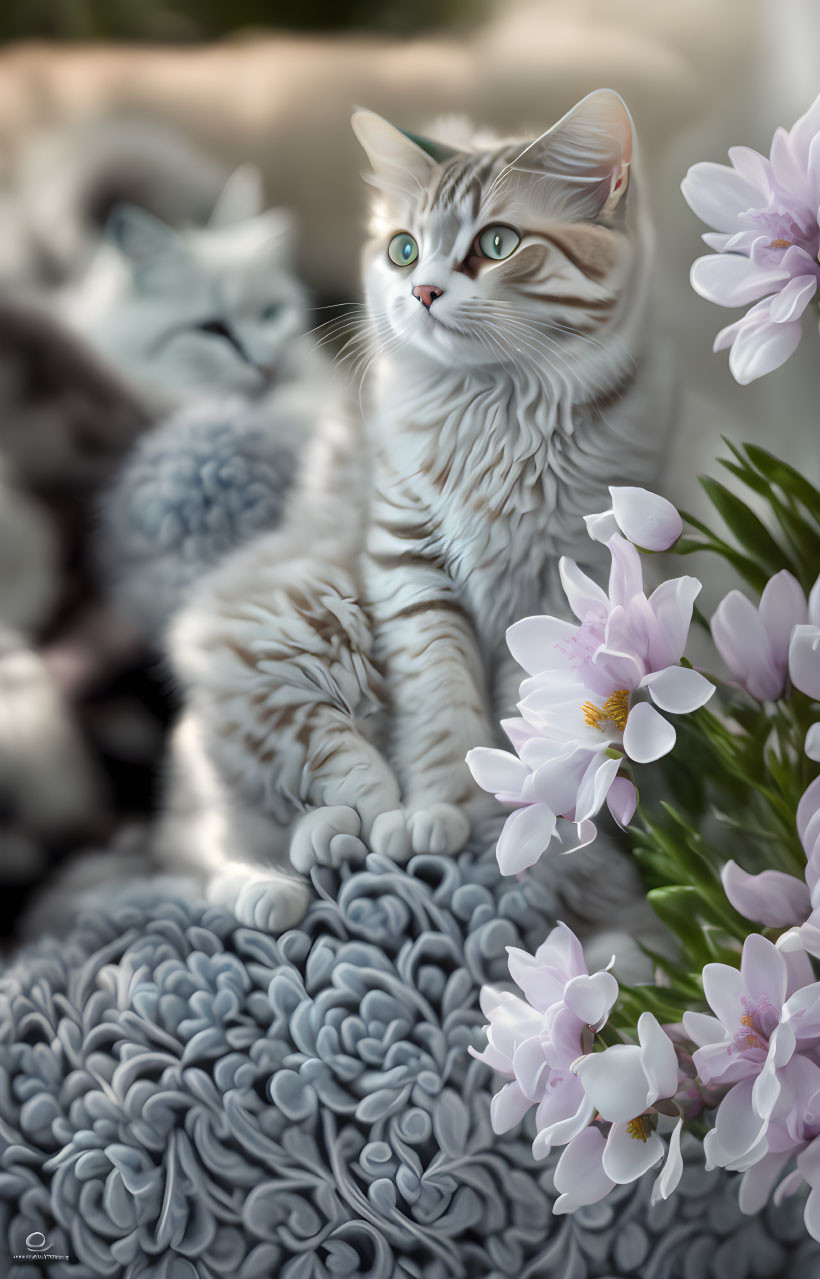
column 506, row 285
column 207, row 325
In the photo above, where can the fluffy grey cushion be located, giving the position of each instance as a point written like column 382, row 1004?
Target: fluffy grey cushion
column 181, row 1097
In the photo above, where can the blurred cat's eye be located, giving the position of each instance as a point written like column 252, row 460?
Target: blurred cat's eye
column 272, row 312
column 498, row 242
column 402, row 249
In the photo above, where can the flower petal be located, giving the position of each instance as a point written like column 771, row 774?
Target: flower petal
column 602, row 526
column 583, row 595
column 496, row 770
column 730, row 279
column 615, row 1082
column 782, row 607
column 647, row 736
column 793, row 298
column 743, row 642
column 718, row 194
column 525, row 836
column 771, row 898
column 672, row 1170
column 763, row 970
column 533, row 640
column 812, row 745
column 758, row 349
column 646, row 518
column 579, row 1174
column 626, row 1157
column 591, row 998
column 622, row 800
column 804, row 660
column 756, row 1186
column 658, row 1058
column 508, row 1107
column 594, row 786
column 678, row 689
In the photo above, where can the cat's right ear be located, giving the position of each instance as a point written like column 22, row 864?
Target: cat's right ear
column 154, row 251
column 400, row 161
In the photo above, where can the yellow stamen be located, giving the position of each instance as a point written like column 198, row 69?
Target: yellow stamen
column 640, row 1129
column 780, row 244
column 615, row 710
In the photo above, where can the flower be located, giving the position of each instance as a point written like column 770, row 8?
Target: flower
column 804, row 664
column 623, row 1083
column 766, row 243
column 778, row 900
column 754, row 642
column 647, row 519
column 767, row 1013
column 535, row 1040
column 579, row 718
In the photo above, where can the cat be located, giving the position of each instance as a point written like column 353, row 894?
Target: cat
column 209, row 325
column 336, row 671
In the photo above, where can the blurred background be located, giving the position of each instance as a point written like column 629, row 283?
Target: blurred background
column 155, row 104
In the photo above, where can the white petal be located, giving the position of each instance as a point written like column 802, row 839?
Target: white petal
column 579, row 1174
column 703, row 1029
column 672, row 1170
column 761, row 348
column 812, row 746
column 658, row 1058
column 532, row 642
column 804, row 660
column 601, row 527
column 718, row 194
column 757, row 1182
column 525, row 836
column 591, row 998
column 647, row 736
column 594, row 787
column 647, row 519
column 814, row 604
column 583, row 595
column 771, row 898
column 626, row 1157
column 622, row 800
column 782, row 607
column 793, row 299
column 615, row 1082
column 496, row 770
column 678, row 689
column 743, row 642
column 508, row 1107
column 730, row 279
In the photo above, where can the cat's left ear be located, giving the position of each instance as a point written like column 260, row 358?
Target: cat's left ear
column 155, row 252
column 589, row 151
column 273, row 236
column 242, row 197
column 401, row 161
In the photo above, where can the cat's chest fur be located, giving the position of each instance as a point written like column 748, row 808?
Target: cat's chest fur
column 502, row 473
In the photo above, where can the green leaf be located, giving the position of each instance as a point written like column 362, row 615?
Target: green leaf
column 789, row 480
column 748, row 528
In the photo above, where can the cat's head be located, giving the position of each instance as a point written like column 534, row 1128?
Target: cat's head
column 214, row 308
column 511, row 252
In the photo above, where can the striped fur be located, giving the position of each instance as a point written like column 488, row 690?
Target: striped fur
column 341, row 668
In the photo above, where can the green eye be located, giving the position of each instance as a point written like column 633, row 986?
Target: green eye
column 498, row 242
column 402, row 249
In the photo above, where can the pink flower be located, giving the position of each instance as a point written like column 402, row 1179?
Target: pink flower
column 754, row 642
column 766, row 239
column 580, row 720
column 767, row 1018
column 778, row 900
column 646, row 519
column 535, row 1040
column 804, row 664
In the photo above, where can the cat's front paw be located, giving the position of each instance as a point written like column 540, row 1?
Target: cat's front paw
column 259, row 897
column 438, row 828
column 326, row 836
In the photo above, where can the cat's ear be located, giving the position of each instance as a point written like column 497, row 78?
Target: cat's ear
column 589, row 152
column 400, row 160
column 242, row 197
column 155, row 252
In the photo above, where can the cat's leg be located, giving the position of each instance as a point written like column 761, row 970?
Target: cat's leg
column 275, row 652
column 434, row 673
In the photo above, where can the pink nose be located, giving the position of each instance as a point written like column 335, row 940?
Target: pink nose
column 427, row 293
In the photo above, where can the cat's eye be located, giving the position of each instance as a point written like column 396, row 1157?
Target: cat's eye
column 402, row 249
column 272, row 312
column 498, row 242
